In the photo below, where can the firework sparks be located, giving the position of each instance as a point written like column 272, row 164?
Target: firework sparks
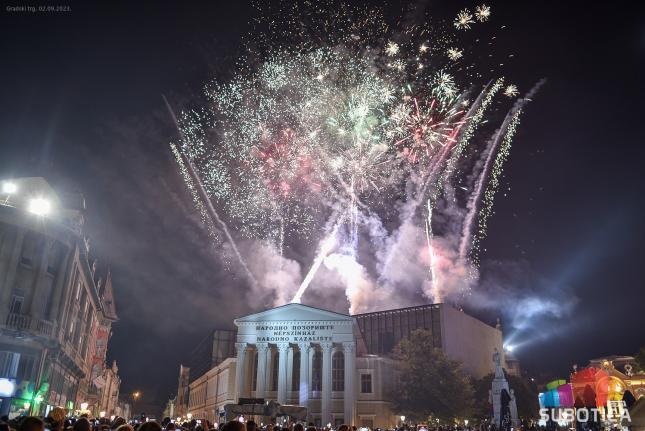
column 326, row 118
column 511, row 91
column 428, row 125
column 392, row 48
column 455, row 53
column 482, row 13
column 444, row 85
column 463, row 20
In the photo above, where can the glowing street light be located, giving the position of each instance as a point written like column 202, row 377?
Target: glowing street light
column 84, row 406
column 9, row 188
column 189, row 416
column 39, row 206
column 402, row 418
column 101, row 415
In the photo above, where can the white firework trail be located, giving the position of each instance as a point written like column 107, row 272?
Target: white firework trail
column 487, row 96
column 487, row 182
column 436, row 294
column 472, row 205
column 325, row 248
column 190, row 185
column 209, row 205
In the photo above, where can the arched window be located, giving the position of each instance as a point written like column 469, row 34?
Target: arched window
column 316, row 372
column 295, row 377
column 275, row 364
column 338, row 372
column 254, row 373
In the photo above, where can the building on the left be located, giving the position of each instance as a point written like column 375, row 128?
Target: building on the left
column 56, row 306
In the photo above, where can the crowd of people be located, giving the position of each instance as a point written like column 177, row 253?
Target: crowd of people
column 57, row 420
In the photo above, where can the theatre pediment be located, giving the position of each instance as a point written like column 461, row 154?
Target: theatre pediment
column 294, row 312
column 295, row 323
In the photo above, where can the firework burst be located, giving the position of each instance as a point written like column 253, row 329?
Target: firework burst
column 325, row 130
column 482, row 13
column 463, row 20
column 455, row 53
column 511, row 91
column 427, row 126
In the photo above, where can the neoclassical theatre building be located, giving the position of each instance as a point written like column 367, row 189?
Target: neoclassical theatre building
column 336, row 365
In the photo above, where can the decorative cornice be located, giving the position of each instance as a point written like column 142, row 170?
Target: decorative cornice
column 300, row 322
column 349, row 347
column 326, row 346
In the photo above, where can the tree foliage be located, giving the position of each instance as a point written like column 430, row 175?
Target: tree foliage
column 640, row 359
column 430, row 384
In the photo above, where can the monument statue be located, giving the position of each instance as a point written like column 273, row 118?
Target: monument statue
column 502, row 398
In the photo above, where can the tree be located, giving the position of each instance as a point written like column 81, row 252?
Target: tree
column 430, row 384
column 526, row 396
column 640, row 359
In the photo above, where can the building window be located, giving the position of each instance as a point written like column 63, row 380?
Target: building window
column 29, row 250
column 295, row 377
column 254, row 373
column 9, row 364
column 72, row 324
column 274, row 375
column 25, row 367
column 78, row 290
column 16, row 304
column 316, row 372
column 366, row 383
column 54, row 259
column 338, row 372
column 48, row 294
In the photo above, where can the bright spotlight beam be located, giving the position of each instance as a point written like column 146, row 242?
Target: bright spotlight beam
column 9, row 188
column 39, row 206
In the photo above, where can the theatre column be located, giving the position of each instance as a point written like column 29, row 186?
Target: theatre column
column 303, row 394
column 240, row 365
column 283, row 361
column 326, row 384
column 349, row 397
column 261, row 378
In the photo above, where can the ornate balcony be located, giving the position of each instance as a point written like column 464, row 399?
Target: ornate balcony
column 25, row 323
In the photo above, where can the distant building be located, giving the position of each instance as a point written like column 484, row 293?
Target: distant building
column 512, row 365
column 211, row 351
column 123, row 409
column 625, row 379
column 340, row 367
column 56, row 303
column 181, row 401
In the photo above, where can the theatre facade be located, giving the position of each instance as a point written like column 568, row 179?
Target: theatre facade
column 338, row 366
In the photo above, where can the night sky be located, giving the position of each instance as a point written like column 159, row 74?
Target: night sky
column 80, row 104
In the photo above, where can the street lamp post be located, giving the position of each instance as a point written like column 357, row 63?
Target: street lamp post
column 135, row 398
